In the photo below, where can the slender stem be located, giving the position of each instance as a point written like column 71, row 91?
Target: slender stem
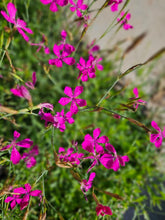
column 110, row 88
column 43, row 173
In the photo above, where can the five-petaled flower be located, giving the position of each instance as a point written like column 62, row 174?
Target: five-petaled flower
column 18, row 24
column 72, row 98
column 15, row 155
column 22, row 201
column 78, row 7
column 157, row 138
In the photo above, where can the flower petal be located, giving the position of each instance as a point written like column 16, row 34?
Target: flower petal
column 15, row 156
column 26, row 143
column 64, row 101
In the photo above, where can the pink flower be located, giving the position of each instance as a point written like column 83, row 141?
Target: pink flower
column 29, row 157
column 54, row 3
column 139, row 101
column 24, row 201
column 124, row 20
column 90, row 144
column 66, row 49
column 42, row 45
column 86, row 185
column 157, row 138
column 72, row 98
column 69, row 156
column 114, row 4
column 103, row 210
column 86, row 68
column 21, row 91
column 78, row 7
column 18, row 24
column 15, row 199
column 15, row 155
column 111, row 160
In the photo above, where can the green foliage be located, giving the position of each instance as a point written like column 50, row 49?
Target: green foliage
column 62, row 194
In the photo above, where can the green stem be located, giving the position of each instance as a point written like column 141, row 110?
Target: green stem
column 110, row 88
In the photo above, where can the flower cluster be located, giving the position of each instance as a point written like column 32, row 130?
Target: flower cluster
column 98, row 149
column 21, row 196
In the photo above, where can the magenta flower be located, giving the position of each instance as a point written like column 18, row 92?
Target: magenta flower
column 111, row 160
column 58, row 120
column 86, row 185
column 78, row 7
column 157, row 138
column 90, row 144
column 15, row 199
column 22, row 91
column 15, row 155
column 60, row 116
column 103, row 210
column 88, row 68
column 72, row 98
column 29, row 157
column 114, row 4
column 124, row 20
column 139, row 101
column 24, row 201
column 66, row 49
column 69, row 156
column 54, row 3
column 42, row 45
column 19, row 24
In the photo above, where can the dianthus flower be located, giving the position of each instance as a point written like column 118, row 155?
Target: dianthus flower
column 24, row 201
column 15, row 155
column 29, row 157
column 18, row 24
column 54, row 3
column 114, row 4
column 86, row 185
column 103, row 210
column 72, row 98
column 157, row 138
column 92, row 145
column 111, row 160
column 78, row 7
column 124, row 20
column 21, row 91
